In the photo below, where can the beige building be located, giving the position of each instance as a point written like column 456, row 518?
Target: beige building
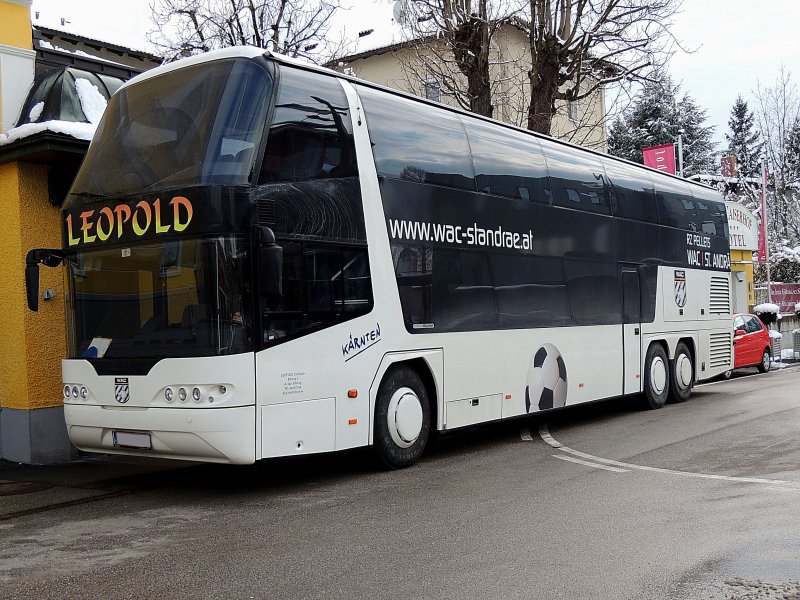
column 400, row 66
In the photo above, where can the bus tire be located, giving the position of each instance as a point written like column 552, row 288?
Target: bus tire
column 681, row 374
column 402, row 418
column 656, row 377
column 766, row 361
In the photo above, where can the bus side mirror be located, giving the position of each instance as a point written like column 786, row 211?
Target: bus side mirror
column 270, row 265
column 49, row 258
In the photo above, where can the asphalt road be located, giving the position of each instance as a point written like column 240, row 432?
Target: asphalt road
column 697, row 500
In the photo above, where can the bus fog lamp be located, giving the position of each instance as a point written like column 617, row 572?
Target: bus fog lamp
column 84, row 392
column 182, row 394
column 196, row 394
column 66, row 391
column 75, row 391
column 169, row 394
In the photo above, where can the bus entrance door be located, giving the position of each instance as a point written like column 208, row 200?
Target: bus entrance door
column 631, row 332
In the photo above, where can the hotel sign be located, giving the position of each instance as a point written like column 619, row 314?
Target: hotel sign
column 742, row 227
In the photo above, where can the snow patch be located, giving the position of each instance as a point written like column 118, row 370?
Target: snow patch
column 81, row 131
column 36, row 112
column 766, row 308
column 775, row 335
column 93, row 103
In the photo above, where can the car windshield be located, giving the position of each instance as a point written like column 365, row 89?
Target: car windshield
column 166, row 299
column 196, row 125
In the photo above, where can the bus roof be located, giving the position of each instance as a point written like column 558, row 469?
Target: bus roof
column 252, row 52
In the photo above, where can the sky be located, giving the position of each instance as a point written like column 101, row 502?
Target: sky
column 738, row 44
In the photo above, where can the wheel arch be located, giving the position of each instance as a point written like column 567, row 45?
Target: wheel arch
column 691, row 345
column 429, row 365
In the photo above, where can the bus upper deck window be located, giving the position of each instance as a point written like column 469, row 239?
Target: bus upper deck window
column 311, row 135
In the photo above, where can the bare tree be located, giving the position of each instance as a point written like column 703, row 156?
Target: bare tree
column 453, row 48
column 777, row 113
column 575, row 49
column 297, row 28
column 580, row 46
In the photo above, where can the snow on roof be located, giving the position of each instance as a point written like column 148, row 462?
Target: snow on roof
column 93, row 103
column 49, row 46
column 377, row 25
column 81, row 131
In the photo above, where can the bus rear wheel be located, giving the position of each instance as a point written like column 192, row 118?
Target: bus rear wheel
column 681, row 374
column 656, row 377
column 402, row 418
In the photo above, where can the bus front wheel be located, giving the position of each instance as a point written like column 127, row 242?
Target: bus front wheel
column 681, row 374
column 656, row 377
column 402, row 418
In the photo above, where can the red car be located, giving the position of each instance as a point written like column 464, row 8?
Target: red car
column 751, row 344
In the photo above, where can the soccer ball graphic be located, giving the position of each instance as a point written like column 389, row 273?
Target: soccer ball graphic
column 547, row 380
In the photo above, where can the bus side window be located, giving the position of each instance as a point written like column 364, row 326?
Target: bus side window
column 675, row 204
column 576, row 182
column 411, row 142
column 311, row 135
column 507, row 162
column 711, row 215
column 632, row 194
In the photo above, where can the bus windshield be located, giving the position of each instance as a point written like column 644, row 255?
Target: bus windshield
column 175, row 298
column 197, row 125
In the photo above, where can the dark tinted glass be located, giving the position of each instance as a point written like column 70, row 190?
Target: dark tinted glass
column 507, row 162
column 577, row 179
column 322, row 285
column 631, row 300
column 531, row 291
column 414, row 142
column 710, row 212
column 311, row 135
column 196, row 125
column 162, row 299
column 675, row 203
column 632, row 192
column 593, row 292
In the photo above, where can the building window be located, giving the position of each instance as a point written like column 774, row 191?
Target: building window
column 431, row 89
column 572, row 110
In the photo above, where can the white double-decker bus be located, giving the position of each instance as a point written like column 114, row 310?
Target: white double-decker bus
column 266, row 259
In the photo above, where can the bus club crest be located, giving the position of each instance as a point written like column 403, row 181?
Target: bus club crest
column 122, row 391
column 680, row 288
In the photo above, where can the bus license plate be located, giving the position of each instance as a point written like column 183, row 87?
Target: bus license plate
column 125, row 439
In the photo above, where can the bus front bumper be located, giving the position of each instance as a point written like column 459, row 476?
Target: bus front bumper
column 224, row 435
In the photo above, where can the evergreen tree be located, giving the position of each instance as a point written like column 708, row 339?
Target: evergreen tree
column 793, row 153
column 656, row 116
column 743, row 141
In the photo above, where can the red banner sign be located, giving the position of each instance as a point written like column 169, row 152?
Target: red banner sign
column 660, row 158
column 785, row 295
column 762, row 228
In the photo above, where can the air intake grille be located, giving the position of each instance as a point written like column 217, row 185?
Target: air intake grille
column 266, row 211
column 719, row 302
column 719, row 352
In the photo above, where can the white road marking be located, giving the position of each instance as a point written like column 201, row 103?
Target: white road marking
column 545, row 435
column 525, row 435
column 589, row 464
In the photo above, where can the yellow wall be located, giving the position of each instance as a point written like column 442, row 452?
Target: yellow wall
column 742, row 260
column 16, row 24
column 33, row 343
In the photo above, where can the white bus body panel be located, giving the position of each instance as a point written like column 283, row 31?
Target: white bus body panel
column 221, row 427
